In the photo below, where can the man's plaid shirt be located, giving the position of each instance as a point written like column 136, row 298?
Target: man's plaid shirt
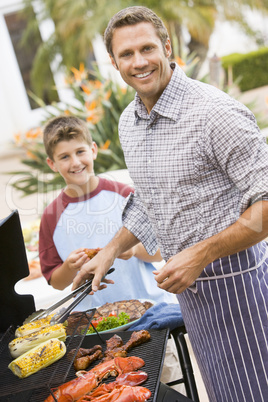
column 197, row 162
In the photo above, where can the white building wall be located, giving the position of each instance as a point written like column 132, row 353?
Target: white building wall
column 15, row 112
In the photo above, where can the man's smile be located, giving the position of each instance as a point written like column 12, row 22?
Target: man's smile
column 142, row 75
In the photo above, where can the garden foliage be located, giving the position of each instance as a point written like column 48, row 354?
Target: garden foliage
column 249, row 70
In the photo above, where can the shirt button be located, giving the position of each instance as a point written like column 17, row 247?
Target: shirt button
column 149, row 161
column 153, row 191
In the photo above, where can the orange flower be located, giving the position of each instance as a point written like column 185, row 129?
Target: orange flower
column 67, row 112
column 80, row 74
column 124, row 90
column 17, row 138
column 179, row 61
column 91, row 106
column 97, row 84
column 106, row 145
column 94, row 118
column 31, row 155
column 33, row 133
column 86, row 89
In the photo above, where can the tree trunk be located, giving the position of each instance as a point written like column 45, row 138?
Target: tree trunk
column 200, row 50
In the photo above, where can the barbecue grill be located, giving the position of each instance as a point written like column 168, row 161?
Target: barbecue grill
column 37, row 387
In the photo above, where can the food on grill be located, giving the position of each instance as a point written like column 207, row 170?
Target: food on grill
column 134, row 308
column 37, row 358
column 83, row 362
column 23, row 344
column 84, row 357
column 91, row 252
column 89, row 380
column 83, row 352
column 75, row 319
column 114, row 342
column 131, row 379
column 121, row 393
column 33, row 326
column 137, row 338
column 113, row 350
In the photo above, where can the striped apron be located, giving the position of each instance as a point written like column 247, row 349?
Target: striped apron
column 225, row 314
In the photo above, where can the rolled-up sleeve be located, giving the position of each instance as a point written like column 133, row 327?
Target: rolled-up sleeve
column 240, row 150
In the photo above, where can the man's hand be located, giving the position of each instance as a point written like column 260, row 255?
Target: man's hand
column 100, row 264
column 182, row 269
column 95, row 268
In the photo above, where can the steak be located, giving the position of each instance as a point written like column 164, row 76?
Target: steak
column 134, row 308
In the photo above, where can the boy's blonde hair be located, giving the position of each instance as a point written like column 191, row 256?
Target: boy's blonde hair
column 64, row 128
column 132, row 16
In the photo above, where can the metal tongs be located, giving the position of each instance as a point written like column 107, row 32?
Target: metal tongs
column 63, row 314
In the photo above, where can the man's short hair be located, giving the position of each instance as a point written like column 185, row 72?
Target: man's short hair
column 132, row 16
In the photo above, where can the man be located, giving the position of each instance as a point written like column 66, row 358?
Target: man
column 200, row 168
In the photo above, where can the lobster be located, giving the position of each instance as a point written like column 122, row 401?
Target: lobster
column 122, row 393
column 131, row 379
column 86, row 381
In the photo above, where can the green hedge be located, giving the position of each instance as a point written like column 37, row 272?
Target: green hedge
column 249, row 70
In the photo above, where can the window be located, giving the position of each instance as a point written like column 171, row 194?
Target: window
column 25, row 53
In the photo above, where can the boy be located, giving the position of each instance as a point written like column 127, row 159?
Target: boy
column 87, row 214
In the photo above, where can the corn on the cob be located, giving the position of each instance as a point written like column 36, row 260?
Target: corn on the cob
column 24, row 343
column 33, row 326
column 37, row 358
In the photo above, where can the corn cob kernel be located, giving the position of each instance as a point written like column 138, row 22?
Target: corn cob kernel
column 37, row 358
column 22, row 344
column 33, row 326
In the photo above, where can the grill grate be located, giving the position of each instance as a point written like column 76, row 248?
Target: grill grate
column 10, row 385
column 151, row 352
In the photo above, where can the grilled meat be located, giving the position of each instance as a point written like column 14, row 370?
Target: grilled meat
column 134, row 308
column 137, row 338
column 91, row 252
column 77, row 321
column 83, row 352
column 114, row 342
column 113, row 353
column 82, row 363
column 113, row 350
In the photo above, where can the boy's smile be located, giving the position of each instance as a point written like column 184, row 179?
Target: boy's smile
column 74, row 160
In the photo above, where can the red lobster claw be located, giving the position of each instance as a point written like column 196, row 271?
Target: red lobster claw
column 122, row 393
column 131, row 379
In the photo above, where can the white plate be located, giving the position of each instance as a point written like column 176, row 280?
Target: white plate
column 126, row 326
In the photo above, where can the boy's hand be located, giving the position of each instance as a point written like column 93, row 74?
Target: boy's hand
column 77, row 259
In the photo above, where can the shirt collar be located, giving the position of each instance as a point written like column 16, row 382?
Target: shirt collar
column 172, row 96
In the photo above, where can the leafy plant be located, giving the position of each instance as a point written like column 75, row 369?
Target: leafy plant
column 100, row 103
